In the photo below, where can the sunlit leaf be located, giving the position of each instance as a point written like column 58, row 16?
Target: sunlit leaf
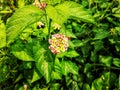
column 20, row 20
column 67, row 10
column 75, row 10
column 35, row 77
column 2, row 35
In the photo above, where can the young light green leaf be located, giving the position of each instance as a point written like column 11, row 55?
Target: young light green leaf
column 35, row 76
column 2, row 35
column 20, row 20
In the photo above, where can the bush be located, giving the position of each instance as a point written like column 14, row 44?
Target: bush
column 59, row 45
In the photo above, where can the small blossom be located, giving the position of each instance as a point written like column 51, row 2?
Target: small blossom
column 41, row 5
column 25, row 87
column 40, row 24
column 58, row 43
column 56, row 26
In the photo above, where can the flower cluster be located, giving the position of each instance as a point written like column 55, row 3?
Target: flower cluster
column 58, row 43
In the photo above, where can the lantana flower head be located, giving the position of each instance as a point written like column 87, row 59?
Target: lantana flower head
column 58, row 43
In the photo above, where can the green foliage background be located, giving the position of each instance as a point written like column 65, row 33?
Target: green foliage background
column 92, row 61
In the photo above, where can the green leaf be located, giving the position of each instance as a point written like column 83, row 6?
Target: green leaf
column 74, row 86
column 116, row 15
column 86, row 87
column 69, row 67
column 44, row 60
column 2, row 35
column 101, row 34
column 22, row 52
column 67, row 10
column 44, row 67
column 35, row 77
column 68, row 33
column 97, row 84
column 56, row 14
column 78, row 43
column 94, row 57
column 75, row 10
column 87, row 68
column 71, row 53
column 98, row 45
column 57, row 73
column 107, row 60
column 55, row 86
column 86, row 49
column 3, row 72
column 116, row 62
column 20, row 20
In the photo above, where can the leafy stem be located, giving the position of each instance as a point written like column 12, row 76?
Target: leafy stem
column 48, row 21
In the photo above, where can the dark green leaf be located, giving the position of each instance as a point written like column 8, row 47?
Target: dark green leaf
column 86, row 87
column 87, row 67
column 98, row 45
column 101, row 34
